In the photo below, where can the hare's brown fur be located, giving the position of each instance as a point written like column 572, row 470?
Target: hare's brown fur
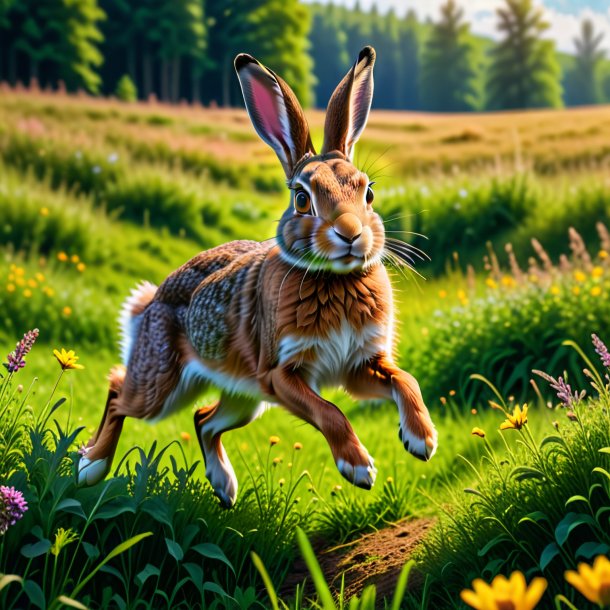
column 275, row 321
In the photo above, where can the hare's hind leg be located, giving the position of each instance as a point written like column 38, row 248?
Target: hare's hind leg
column 230, row 412
column 92, row 469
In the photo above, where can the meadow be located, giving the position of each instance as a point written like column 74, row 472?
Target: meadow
column 96, row 195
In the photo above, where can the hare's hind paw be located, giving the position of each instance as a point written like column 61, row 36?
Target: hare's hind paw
column 91, row 472
column 361, row 475
column 423, row 448
column 224, row 484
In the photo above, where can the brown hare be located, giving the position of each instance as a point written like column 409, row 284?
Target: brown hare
column 275, row 321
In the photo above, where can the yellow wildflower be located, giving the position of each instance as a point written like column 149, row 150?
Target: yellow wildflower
column 32, row 283
column 602, row 254
column 10, row 288
column 297, row 446
column 461, row 294
column 67, row 311
column 81, row 267
column 505, row 593
column 592, row 581
column 597, row 271
column 27, row 293
column 579, row 276
column 442, row 294
column 576, row 290
column 452, row 392
column 62, row 257
column 596, row 291
column 67, row 359
column 63, row 538
column 44, row 211
column 276, row 461
column 425, row 331
column 274, row 440
column 185, row 436
column 508, row 281
column 40, row 277
column 20, row 281
column 49, row 291
column 19, row 271
column 478, row 432
column 491, row 283
column 533, row 278
column 74, row 258
column 517, row 420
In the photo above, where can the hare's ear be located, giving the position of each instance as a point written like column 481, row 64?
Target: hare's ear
column 274, row 111
column 348, row 108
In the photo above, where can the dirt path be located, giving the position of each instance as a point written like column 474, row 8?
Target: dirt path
column 375, row 558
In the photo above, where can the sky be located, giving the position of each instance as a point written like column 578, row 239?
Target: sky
column 564, row 16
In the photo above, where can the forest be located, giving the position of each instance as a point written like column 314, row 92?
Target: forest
column 182, row 50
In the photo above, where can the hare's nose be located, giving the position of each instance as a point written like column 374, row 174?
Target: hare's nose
column 348, row 227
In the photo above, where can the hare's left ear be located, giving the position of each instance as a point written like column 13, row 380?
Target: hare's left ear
column 348, row 108
column 274, row 111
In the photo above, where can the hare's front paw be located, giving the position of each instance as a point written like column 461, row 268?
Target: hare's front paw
column 91, row 472
column 223, row 482
column 358, row 467
column 420, row 441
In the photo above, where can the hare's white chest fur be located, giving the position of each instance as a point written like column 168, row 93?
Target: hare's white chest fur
column 330, row 358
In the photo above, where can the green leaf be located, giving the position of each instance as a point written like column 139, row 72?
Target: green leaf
column 7, row 579
column 588, row 550
column 114, row 508
column 158, row 510
column 547, row 440
column 500, row 538
column 214, row 588
column 91, row 550
column 36, row 549
column 175, row 550
column 569, row 523
column 213, row 551
column 195, row 572
column 602, row 471
column 522, row 473
column 324, row 594
column 550, row 552
column 68, row 601
column 148, row 571
column 260, row 566
column 401, row 585
column 121, row 548
column 72, row 506
column 577, row 499
column 604, row 450
column 35, row 594
column 534, row 517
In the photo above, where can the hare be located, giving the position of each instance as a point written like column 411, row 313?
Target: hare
column 275, row 321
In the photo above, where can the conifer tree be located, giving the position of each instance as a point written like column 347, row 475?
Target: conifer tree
column 524, row 70
column 583, row 81
column 448, row 80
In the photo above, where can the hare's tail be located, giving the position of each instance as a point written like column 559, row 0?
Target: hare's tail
column 131, row 316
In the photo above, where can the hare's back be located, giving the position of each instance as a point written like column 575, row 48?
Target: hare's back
column 179, row 286
column 223, row 301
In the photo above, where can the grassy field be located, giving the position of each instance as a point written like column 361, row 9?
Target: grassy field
column 97, row 195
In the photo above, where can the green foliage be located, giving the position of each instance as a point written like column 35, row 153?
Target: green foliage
column 524, row 72
column 540, row 507
column 449, row 67
column 583, row 82
column 126, row 91
column 154, row 532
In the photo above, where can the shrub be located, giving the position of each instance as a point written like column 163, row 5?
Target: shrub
column 126, row 90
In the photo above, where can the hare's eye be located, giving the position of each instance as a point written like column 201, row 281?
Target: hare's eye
column 302, row 203
column 370, row 195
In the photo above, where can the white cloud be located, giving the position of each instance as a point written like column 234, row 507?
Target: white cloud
column 565, row 24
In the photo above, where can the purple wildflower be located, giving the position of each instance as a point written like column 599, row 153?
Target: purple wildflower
column 602, row 350
column 563, row 389
column 12, row 507
column 16, row 359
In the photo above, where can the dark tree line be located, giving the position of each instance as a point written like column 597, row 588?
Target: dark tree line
column 184, row 49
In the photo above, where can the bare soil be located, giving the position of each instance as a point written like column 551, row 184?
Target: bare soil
column 374, row 559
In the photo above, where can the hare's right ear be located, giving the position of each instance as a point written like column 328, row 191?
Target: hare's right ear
column 349, row 106
column 274, row 111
